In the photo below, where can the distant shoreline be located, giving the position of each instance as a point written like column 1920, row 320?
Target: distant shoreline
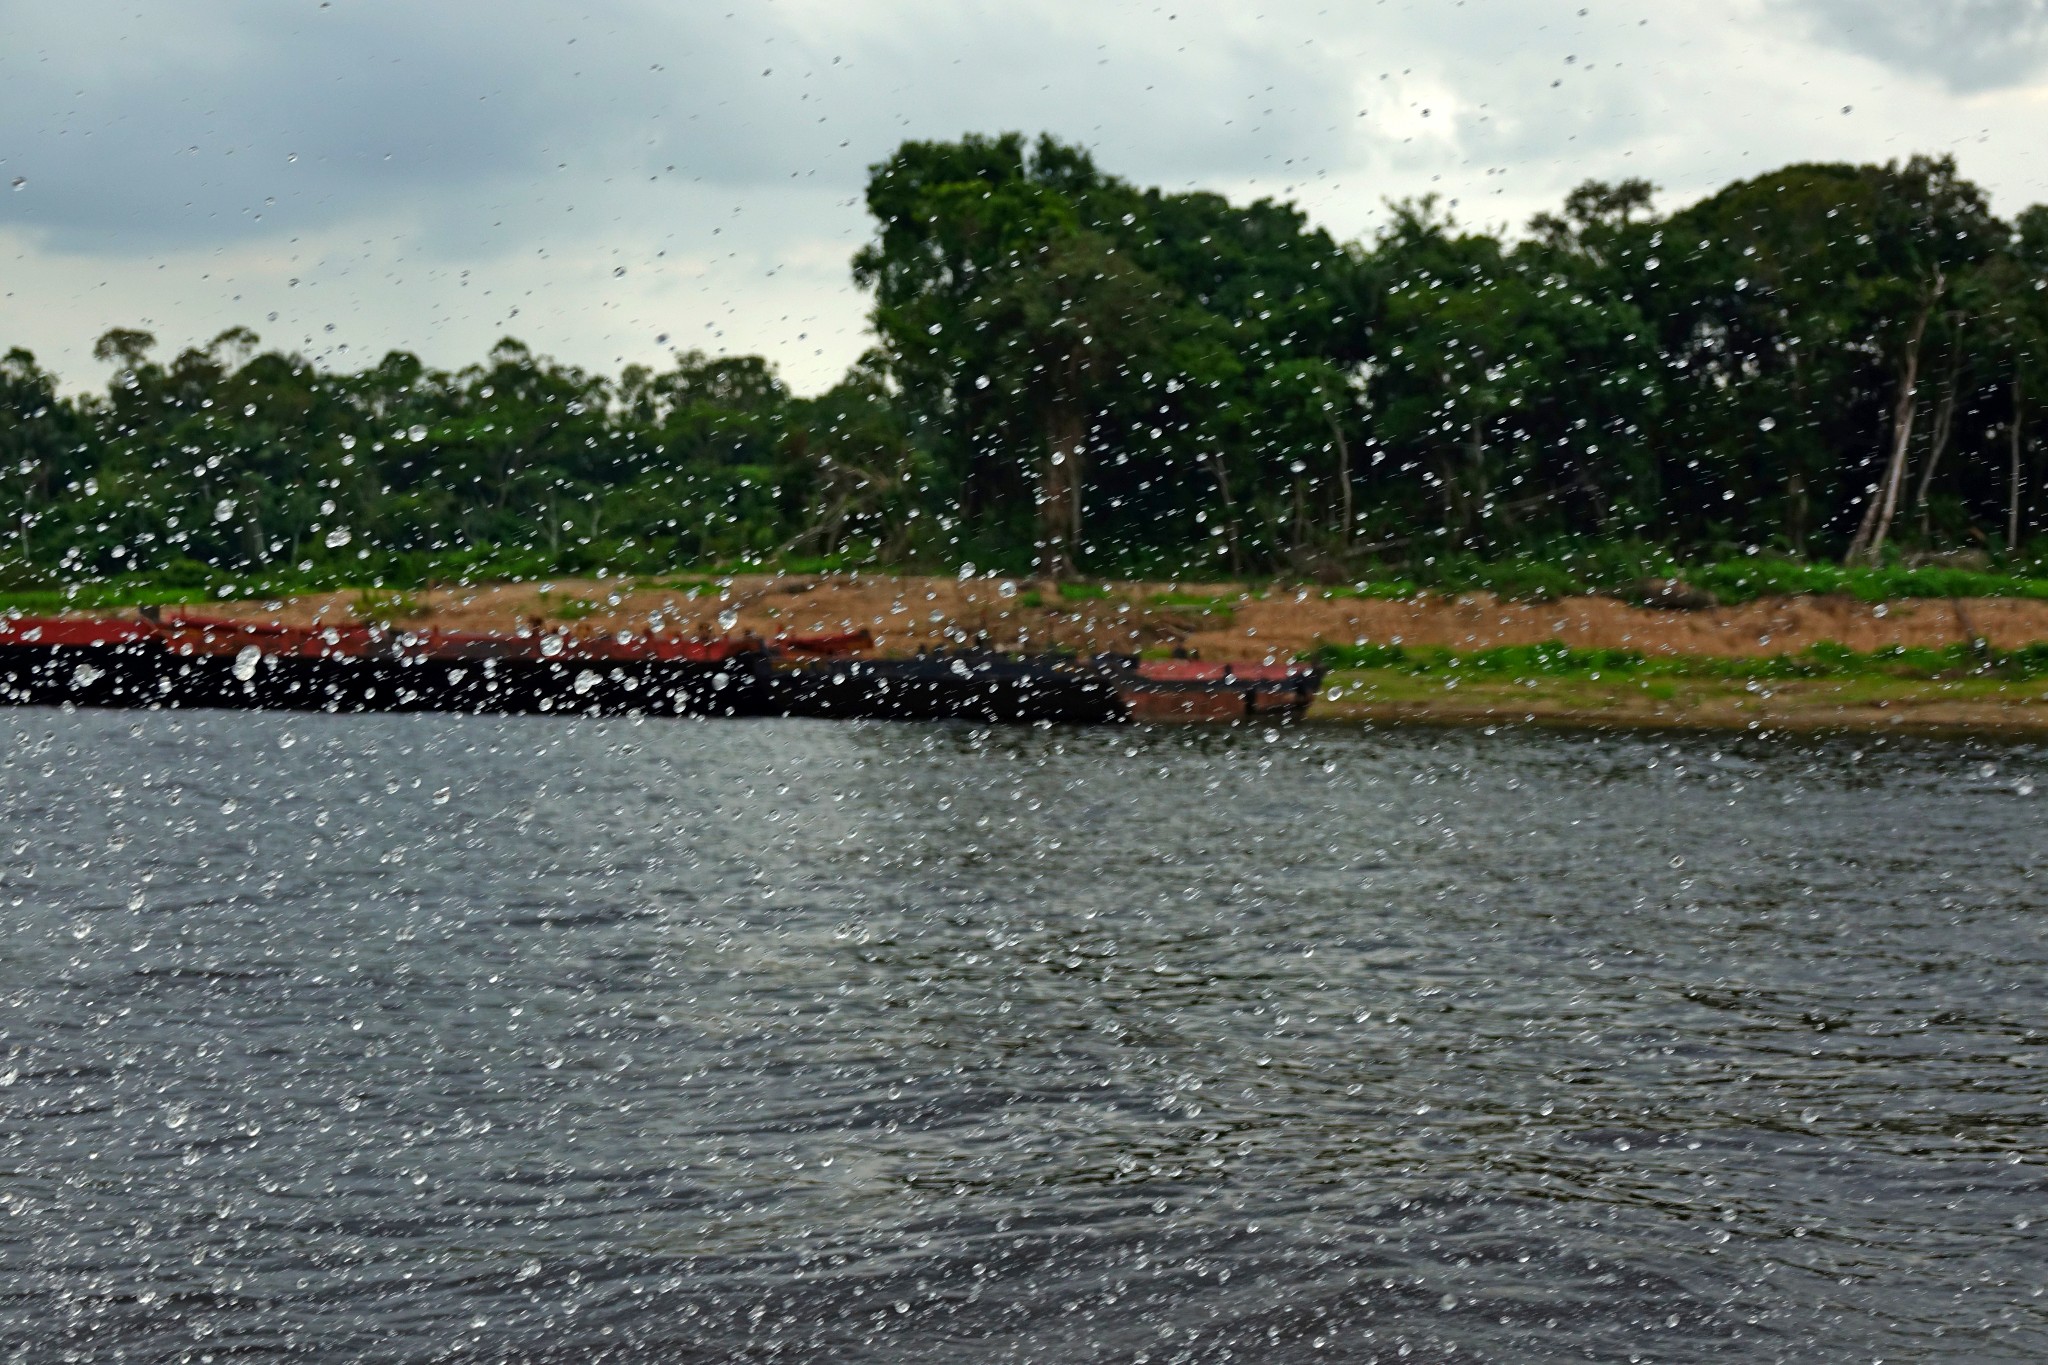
column 1864, row 705
column 1689, row 670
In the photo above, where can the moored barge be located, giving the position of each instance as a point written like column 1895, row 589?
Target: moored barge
column 189, row 661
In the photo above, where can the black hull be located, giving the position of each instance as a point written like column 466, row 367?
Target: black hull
column 145, row 675
column 148, row 676
column 986, row 688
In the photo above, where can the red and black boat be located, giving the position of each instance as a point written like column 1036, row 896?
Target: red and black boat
column 190, row 661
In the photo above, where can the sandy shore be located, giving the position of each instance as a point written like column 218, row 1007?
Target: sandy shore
column 1223, row 620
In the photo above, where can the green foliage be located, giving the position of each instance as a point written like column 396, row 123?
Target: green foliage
column 1075, row 374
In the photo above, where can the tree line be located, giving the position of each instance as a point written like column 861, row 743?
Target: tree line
column 1072, row 373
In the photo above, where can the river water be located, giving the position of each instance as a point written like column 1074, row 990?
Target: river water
column 440, row 1038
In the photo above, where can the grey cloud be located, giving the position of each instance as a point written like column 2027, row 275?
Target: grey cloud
column 1967, row 45
column 219, row 120
column 222, row 120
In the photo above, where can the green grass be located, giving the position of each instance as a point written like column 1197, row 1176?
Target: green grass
column 1571, row 569
column 1744, row 580
column 1562, row 569
column 575, row 609
column 1193, row 600
column 385, row 606
column 1554, row 660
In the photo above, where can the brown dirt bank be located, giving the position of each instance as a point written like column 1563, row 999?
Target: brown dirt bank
column 1221, row 620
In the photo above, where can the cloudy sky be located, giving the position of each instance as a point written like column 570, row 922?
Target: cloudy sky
column 350, row 176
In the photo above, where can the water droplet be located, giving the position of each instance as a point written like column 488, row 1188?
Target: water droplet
column 245, row 662
column 223, row 509
column 728, row 618
column 966, row 572
column 550, row 646
column 1767, row 424
column 417, row 432
column 20, row 183
column 337, row 538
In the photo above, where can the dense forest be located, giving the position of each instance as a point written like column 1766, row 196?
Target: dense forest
column 1072, row 374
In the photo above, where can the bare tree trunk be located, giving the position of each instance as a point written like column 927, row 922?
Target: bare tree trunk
column 1059, row 510
column 1343, row 483
column 1795, row 512
column 1944, row 427
column 2012, row 507
column 1230, row 528
column 1480, row 491
column 252, row 529
column 1884, row 499
column 1455, row 518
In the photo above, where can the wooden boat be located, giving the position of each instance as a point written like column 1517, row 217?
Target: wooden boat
column 187, row 662
column 184, row 661
column 1195, row 690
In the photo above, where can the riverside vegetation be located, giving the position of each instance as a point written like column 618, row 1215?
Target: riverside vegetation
column 1820, row 380
column 1072, row 373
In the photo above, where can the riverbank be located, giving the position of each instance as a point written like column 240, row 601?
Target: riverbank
column 1221, row 620
column 1925, row 706
column 1227, row 620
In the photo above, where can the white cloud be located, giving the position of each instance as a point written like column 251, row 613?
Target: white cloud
column 408, row 175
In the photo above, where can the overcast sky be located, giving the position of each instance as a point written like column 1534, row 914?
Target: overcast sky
column 352, row 176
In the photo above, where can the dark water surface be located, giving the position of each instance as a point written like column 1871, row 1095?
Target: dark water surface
column 425, row 1038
